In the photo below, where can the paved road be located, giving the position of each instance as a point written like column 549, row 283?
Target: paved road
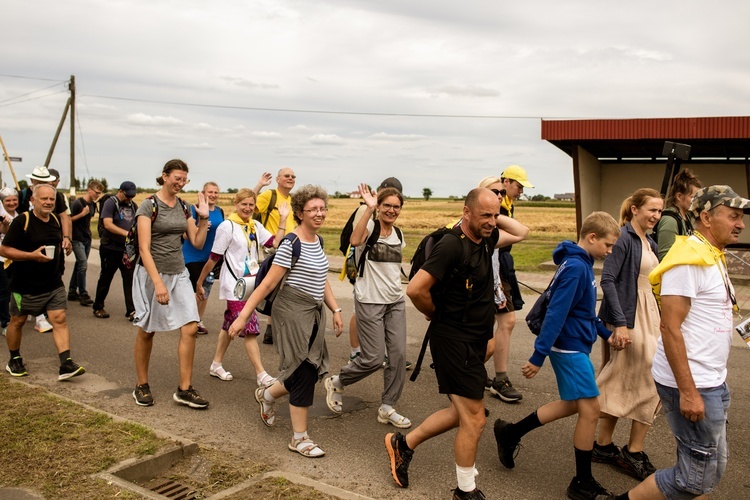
column 356, row 459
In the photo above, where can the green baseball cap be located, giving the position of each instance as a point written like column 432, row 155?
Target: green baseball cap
column 713, row 196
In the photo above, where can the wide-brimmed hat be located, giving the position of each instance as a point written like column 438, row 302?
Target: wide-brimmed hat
column 517, row 173
column 41, row 174
column 712, row 196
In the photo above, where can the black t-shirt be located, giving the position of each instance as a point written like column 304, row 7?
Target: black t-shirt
column 82, row 226
column 30, row 277
column 460, row 313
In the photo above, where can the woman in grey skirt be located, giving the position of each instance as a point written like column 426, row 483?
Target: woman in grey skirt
column 299, row 318
column 162, row 293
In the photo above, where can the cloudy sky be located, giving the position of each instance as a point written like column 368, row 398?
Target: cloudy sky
column 438, row 93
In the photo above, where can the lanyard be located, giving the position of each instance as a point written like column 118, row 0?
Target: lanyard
column 721, row 261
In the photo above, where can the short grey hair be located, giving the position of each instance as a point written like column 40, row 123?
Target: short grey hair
column 304, row 194
column 7, row 191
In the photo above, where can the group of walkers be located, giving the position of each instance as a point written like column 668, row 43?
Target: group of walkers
column 466, row 288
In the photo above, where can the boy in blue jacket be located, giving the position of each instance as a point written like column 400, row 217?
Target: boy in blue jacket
column 569, row 331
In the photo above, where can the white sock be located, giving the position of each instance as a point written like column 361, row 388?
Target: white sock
column 465, row 476
column 267, row 395
column 385, row 408
column 337, row 382
column 300, row 435
column 261, row 376
column 215, row 365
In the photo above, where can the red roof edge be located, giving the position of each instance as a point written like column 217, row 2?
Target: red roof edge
column 724, row 127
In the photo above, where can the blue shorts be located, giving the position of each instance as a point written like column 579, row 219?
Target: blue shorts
column 701, row 446
column 575, row 375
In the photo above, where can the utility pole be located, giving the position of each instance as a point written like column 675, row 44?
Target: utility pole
column 69, row 106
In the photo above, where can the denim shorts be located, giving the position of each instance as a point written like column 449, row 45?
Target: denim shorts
column 701, row 446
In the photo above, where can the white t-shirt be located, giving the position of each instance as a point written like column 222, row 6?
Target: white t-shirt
column 707, row 329
column 231, row 238
column 380, row 282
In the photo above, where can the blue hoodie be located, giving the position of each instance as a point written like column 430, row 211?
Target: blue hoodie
column 571, row 323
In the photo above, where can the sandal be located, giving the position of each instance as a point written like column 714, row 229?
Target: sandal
column 334, row 396
column 220, row 372
column 267, row 415
column 393, row 418
column 306, row 447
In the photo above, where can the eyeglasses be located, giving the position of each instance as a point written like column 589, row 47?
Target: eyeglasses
column 315, row 211
column 180, row 180
column 388, row 206
column 497, row 191
column 98, row 193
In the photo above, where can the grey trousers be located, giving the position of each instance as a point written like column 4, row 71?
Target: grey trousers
column 380, row 327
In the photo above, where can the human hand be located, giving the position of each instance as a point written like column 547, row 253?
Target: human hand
column 692, row 406
column 201, row 208
column 284, row 210
column 265, row 179
column 67, row 246
column 338, row 323
column 39, row 255
column 529, row 370
column 200, row 292
column 85, row 210
column 368, row 196
column 236, row 327
column 162, row 295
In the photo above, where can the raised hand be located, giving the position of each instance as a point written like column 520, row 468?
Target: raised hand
column 368, row 196
column 201, row 208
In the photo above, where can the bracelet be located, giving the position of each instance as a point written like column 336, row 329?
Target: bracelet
column 337, row 310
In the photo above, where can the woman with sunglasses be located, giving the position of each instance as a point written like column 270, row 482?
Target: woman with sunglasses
column 379, row 306
column 299, row 317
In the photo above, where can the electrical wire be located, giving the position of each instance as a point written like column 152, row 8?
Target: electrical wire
column 35, row 78
column 32, row 99
column 29, row 93
column 83, row 147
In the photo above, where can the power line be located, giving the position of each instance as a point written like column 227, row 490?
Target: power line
column 34, row 78
column 31, row 99
column 29, row 93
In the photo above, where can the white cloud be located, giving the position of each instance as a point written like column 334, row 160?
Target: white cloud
column 326, row 140
column 260, row 134
column 142, row 119
column 383, row 136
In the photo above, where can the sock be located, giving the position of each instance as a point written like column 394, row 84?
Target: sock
column 261, row 376
column 583, row 464
column 267, row 396
column 525, row 426
column 64, row 356
column 385, row 408
column 215, row 365
column 465, row 476
column 501, row 375
column 337, row 382
column 354, row 352
column 624, row 496
column 300, row 435
column 15, row 353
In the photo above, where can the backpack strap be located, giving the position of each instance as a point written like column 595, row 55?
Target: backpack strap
column 271, row 207
column 371, row 240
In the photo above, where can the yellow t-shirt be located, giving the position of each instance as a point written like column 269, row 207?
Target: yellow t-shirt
column 261, row 205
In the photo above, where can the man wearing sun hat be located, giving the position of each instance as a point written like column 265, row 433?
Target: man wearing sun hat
column 690, row 365
column 514, row 179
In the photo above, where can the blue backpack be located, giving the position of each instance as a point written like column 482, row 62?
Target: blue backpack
column 265, row 306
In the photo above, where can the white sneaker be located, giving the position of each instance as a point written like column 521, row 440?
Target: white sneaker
column 42, row 325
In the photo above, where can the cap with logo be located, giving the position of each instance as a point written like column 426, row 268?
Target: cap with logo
column 713, row 196
column 128, row 188
column 391, row 182
column 41, row 174
column 517, row 173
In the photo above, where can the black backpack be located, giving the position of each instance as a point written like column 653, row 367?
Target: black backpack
column 346, row 233
column 675, row 216
column 100, row 225
column 538, row 311
column 353, row 270
column 263, row 217
column 132, row 251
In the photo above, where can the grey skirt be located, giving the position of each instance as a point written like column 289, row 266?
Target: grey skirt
column 154, row 317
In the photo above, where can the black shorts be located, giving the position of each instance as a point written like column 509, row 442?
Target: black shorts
column 459, row 366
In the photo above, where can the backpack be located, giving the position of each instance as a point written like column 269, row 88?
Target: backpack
column 346, row 232
column 421, row 254
column 352, row 269
column 132, row 251
column 265, row 306
column 271, row 207
column 8, row 260
column 538, row 311
column 675, row 216
column 100, row 224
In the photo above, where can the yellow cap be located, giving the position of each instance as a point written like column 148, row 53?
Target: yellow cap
column 517, row 173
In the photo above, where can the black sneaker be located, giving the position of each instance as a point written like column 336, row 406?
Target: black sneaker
column 142, row 395
column 101, row 313
column 400, row 457
column 73, row 295
column 488, row 383
column 504, row 390
column 507, row 448
column 190, row 397
column 636, row 464
column 587, row 490
column 605, row 454
column 85, row 299
column 16, row 367
column 268, row 336
column 476, row 494
column 70, row 369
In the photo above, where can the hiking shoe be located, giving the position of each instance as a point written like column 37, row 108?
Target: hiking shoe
column 101, row 313
column 189, row 397
column 605, row 454
column 588, row 489
column 400, row 457
column 130, row 315
column 636, row 464
column 70, row 369
column 142, row 395
column 85, row 299
column 268, row 336
column 476, row 494
column 73, row 295
column 353, row 357
column 202, row 329
column 504, row 390
column 16, row 367
column 42, row 325
column 507, row 448
column 488, row 383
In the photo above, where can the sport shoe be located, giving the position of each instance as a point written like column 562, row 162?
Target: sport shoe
column 101, row 313
column 400, row 457
column 190, row 397
column 16, row 367
column 589, row 489
column 85, row 300
column 507, row 448
column 268, row 336
column 504, row 390
column 476, row 494
column 201, row 328
column 636, row 464
column 70, row 369
column 605, row 454
column 42, row 325
column 353, row 357
column 409, row 365
column 393, row 418
column 73, row 295
column 142, row 395
column 488, row 383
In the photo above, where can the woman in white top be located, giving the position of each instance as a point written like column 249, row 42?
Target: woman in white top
column 238, row 240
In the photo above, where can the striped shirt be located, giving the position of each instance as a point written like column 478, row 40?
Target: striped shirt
column 310, row 272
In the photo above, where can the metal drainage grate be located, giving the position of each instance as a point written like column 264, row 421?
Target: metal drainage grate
column 170, row 489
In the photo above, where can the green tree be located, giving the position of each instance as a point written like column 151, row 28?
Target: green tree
column 426, row 193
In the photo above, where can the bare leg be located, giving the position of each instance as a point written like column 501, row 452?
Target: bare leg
column 186, row 353
column 298, row 415
column 14, row 332
column 439, row 422
column 607, row 425
column 648, row 490
column 60, row 331
column 353, row 338
column 222, row 343
column 201, row 307
column 638, row 431
column 144, row 341
column 471, row 424
column 505, row 324
column 253, row 352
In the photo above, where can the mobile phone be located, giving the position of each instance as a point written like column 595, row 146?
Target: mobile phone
column 743, row 328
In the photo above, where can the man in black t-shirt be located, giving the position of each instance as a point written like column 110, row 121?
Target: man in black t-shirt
column 34, row 244
column 81, row 211
column 454, row 289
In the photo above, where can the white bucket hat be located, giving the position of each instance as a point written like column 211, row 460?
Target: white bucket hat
column 41, row 174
